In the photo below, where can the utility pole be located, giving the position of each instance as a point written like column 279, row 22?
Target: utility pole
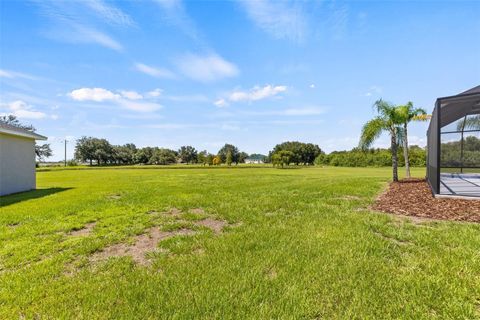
column 65, row 152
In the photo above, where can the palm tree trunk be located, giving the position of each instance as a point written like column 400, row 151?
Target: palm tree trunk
column 405, row 152
column 393, row 143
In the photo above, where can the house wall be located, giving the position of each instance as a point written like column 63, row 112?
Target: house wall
column 17, row 164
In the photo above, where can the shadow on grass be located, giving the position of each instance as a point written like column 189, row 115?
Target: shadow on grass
column 28, row 195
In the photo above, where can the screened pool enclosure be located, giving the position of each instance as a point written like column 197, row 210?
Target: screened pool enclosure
column 453, row 158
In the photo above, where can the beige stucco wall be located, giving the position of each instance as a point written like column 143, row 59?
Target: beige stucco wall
column 17, row 164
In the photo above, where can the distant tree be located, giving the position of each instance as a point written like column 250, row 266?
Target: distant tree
column 309, row 152
column 187, row 154
column 143, row 155
column 229, row 159
column 89, row 149
column 103, row 151
column 304, row 153
column 202, row 157
column 124, row 154
column 217, row 161
column 282, row 158
column 257, row 156
column 85, row 149
column 13, row 121
column 163, row 156
column 242, row 156
column 209, row 159
column 42, row 151
column 222, row 153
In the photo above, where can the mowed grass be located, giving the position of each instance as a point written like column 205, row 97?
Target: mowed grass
column 301, row 245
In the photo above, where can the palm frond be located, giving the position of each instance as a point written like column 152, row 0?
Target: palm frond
column 422, row 117
column 371, row 131
column 470, row 123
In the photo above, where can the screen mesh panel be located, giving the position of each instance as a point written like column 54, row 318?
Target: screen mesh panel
column 432, row 146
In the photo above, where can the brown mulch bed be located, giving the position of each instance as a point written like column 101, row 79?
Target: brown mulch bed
column 413, row 197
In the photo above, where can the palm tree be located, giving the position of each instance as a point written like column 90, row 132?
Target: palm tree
column 469, row 123
column 388, row 119
column 409, row 113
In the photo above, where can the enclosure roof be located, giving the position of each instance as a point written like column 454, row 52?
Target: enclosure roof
column 457, row 106
column 473, row 90
column 19, row 132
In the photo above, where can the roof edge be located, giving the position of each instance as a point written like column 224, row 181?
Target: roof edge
column 31, row 135
column 467, row 93
column 461, row 95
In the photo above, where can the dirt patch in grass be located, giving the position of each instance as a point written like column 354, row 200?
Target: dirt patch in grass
column 213, row 224
column 197, row 211
column 13, row 225
column 85, row 231
column 143, row 244
column 413, row 198
column 349, row 198
column 114, row 196
column 173, row 212
column 271, row 274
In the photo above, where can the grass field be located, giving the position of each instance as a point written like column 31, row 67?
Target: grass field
column 299, row 244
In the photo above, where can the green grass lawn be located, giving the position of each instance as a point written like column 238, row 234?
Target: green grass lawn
column 301, row 244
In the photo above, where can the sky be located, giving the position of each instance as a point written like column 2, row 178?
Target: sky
column 169, row 73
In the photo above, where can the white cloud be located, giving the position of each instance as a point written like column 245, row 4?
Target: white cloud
column 22, row 110
column 13, row 74
column 206, row 68
column 278, row 18
column 154, row 71
column 72, row 23
column 312, row 86
column 310, row 111
column 229, row 127
column 301, row 111
column 188, row 98
column 80, row 34
column 174, row 13
column 221, row 103
column 338, row 20
column 130, row 100
column 93, row 94
column 256, row 93
column 139, row 106
column 85, row 34
column 132, row 95
column 109, row 13
column 155, row 93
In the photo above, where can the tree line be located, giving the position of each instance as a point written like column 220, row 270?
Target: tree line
column 101, row 152
column 98, row 151
column 453, row 156
column 372, row 158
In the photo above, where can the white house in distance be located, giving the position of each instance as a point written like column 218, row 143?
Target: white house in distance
column 17, row 159
column 253, row 161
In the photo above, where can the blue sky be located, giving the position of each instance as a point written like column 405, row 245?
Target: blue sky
column 252, row 73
